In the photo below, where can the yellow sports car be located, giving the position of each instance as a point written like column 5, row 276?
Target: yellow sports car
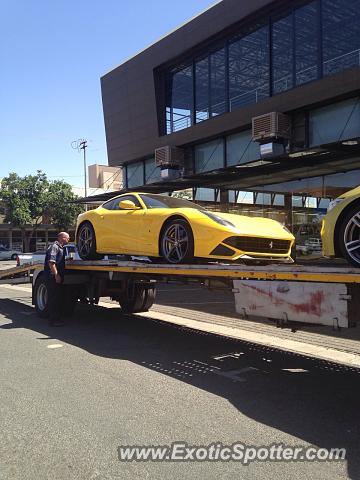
column 340, row 231
column 177, row 230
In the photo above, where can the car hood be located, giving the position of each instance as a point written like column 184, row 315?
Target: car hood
column 351, row 193
column 257, row 226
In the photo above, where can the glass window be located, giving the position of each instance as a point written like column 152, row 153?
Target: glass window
column 282, row 55
column 209, row 156
column 218, row 83
column 202, row 90
column 249, row 69
column 279, row 200
column 162, row 201
column 114, row 203
column 205, row 194
column 306, row 43
column 240, row 148
column 263, row 199
column 135, row 174
column 152, row 172
column 324, row 203
column 241, row 197
column 238, row 75
column 340, row 121
column 341, row 35
column 180, row 99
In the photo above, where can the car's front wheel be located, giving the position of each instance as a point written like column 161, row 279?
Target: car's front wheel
column 349, row 236
column 177, row 242
column 86, row 242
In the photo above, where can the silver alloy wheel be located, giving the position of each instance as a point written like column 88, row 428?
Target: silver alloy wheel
column 175, row 243
column 42, row 297
column 352, row 238
column 85, row 240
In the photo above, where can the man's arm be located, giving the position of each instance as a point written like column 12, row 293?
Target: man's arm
column 52, row 263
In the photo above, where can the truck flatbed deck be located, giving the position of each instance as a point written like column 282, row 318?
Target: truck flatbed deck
column 326, row 295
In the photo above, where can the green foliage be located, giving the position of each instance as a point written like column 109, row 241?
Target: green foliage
column 62, row 212
column 33, row 199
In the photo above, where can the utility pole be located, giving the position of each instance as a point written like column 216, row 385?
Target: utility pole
column 83, row 146
column 78, row 145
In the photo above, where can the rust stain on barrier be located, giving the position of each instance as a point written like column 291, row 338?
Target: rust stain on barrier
column 311, row 307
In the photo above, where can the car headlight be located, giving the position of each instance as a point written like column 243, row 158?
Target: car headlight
column 221, row 221
column 333, row 203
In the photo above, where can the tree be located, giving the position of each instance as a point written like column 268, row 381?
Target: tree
column 33, row 199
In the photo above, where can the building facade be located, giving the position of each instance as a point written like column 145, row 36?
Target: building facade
column 200, row 87
column 105, row 177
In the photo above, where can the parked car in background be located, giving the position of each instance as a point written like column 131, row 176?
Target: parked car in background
column 340, row 230
column 8, row 254
column 70, row 251
column 313, row 244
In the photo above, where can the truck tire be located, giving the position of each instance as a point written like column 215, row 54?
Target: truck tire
column 41, row 297
column 138, row 298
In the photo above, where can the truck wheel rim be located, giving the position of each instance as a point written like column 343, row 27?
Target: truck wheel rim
column 42, row 297
column 352, row 238
column 175, row 243
column 85, row 241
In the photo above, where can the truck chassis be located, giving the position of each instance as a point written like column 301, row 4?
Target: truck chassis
column 285, row 293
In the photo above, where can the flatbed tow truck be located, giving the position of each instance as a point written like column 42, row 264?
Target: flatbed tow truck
column 289, row 294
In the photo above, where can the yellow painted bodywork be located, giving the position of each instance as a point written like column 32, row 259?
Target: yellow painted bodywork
column 331, row 218
column 137, row 232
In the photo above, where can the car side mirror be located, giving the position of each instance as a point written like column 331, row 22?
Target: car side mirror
column 128, row 205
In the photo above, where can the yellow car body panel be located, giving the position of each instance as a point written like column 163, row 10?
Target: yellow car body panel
column 137, row 232
column 331, row 218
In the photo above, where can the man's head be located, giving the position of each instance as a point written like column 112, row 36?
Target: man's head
column 63, row 238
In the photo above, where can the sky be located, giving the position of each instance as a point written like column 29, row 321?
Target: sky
column 52, row 55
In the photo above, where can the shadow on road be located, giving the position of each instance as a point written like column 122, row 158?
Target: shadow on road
column 315, row 401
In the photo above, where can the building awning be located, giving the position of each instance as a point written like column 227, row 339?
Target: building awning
column 325, row 160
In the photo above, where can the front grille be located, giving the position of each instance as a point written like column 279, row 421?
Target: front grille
column 259, row 244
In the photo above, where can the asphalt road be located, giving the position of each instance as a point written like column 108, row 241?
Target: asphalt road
column 70, row 396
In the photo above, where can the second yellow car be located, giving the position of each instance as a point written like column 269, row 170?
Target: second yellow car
column 340, row 230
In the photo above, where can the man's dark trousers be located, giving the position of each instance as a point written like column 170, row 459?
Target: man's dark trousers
column 55, row 299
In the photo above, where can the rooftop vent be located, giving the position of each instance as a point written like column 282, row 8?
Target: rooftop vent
column 169, row 157
column 273, row 125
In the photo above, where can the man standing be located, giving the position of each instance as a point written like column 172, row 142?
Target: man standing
column 54, row 269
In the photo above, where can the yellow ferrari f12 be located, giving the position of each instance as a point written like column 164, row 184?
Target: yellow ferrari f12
column 177, row 230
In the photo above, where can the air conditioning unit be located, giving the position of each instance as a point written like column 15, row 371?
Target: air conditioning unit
column 273, row 125
column 169, row 156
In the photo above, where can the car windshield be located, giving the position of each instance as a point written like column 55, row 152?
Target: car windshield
column 162, row 201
